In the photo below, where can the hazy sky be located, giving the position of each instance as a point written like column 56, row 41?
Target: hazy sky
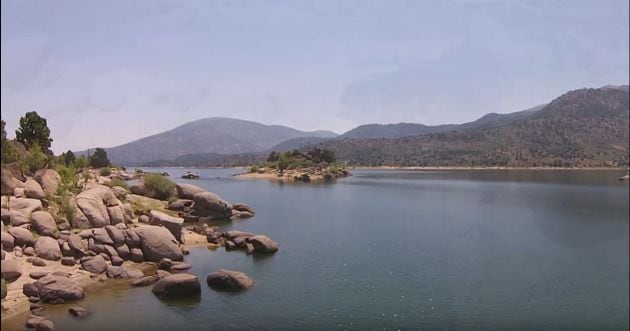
column 107, row 72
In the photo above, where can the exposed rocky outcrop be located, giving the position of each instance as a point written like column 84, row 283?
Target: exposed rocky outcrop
column 208, row 204
column 23, row 237
column 177, row 286
column 187, row 191
column 47, row 248
column 229, row 280
column 55, row 288
column 173, row 224
column 96, row 264
column 33, row 190
column 49, row 180
column 100, row 206
column 43, row 223
column 157, row 243
column 10, row 270
column 9, row 182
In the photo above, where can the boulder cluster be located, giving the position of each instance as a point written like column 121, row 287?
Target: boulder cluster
column 107, row 227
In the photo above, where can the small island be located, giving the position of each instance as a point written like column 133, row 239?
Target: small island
column 315, row 165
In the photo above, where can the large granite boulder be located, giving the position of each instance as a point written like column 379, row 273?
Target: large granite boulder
column 229, row 280
column 96, row 265
column 117, row 236
column 76, row 244
column 80, row 221
column 55, row 288
column 177, row 286
column 23, row 206
column 8, row 241
column 187, row 191
column 49, row 180
column 157, row 243
column 119, row 272
column 173, row 224
column 180, row 205
column 23, row 237
column 263, row 244
column 48, row 248
column 138, row 188
column 10, row 270
column 43, row 223
column 9, row 182
column 19, row 220
column 33, row 190
column 99, row 204
column 208, row 204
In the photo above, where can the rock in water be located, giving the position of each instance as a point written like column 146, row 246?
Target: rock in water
column 188, row 191
column 123, row 273
column 157, row 243
column 264, row 244
column 77, row 311
column 57, row 289
column 177, row 286
column 229, row 280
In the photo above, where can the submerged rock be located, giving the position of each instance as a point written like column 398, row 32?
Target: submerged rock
column 58, row 289
column 229, row 280
column 177, row 286
column 264, row 244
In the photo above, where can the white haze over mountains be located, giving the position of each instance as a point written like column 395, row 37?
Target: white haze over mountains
column 105, row 73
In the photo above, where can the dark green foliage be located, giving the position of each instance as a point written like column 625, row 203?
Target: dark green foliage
column 81, row 162
column 68, row 158
column 273, row 157
column 33, row 131
column 99, row 159
column 159, row 187
column 10, row 153
column 34, row 160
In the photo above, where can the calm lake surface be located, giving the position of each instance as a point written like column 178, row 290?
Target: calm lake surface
column 389, row 250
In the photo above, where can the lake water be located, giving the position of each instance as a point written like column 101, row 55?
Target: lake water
column 389, row 250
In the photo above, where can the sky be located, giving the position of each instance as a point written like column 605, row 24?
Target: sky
column 104, row 73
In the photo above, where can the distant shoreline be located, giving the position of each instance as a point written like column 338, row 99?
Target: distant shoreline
column 425, row 168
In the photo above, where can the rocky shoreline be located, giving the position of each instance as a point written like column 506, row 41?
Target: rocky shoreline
column 114, row 233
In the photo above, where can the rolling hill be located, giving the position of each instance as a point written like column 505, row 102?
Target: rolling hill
column 582, row 128
column 216, row 135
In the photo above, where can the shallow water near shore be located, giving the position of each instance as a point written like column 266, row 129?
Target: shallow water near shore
column 389, row 250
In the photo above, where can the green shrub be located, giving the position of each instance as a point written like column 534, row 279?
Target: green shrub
column 118, row 182
column 34, row 160
column 69, row 180
column 254, row 168
column 105, row 171
column 158, row 187
column 81, row 162
column 66, row 208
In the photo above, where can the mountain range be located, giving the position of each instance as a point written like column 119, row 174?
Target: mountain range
column 586, row 127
